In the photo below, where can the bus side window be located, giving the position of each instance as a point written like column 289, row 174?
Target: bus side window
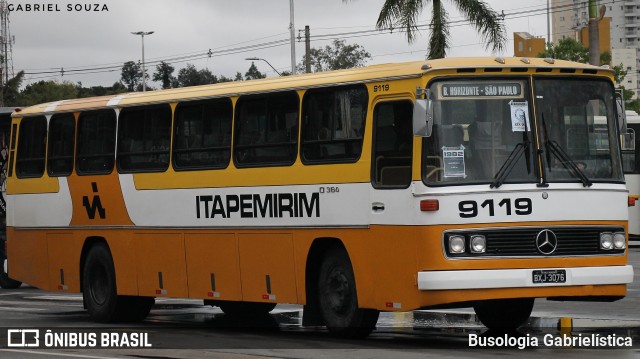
column 62, row 129
column 333, row 122
column 32, row 140
column 393, row 144
column 202, row 134
column 144, row 135
column 266, row 130
column 95, row 151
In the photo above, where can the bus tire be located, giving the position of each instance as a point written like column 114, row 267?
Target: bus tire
column 100, row 293
column 99, row 284
column 245, row 309
column 338, row 299
column 5, row 281
column 504, row 314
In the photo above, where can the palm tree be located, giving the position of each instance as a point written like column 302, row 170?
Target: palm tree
column 404, row 14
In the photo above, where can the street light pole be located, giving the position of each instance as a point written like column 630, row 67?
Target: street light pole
column 292, row 31
column 144, row 77
column 261, row 59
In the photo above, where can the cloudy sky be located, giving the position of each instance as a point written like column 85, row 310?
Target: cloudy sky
column 234, row 30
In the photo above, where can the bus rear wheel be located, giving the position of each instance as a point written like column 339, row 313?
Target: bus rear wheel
column 338, row 299
column 504, row 314
column 100, row 293
column 5, row 281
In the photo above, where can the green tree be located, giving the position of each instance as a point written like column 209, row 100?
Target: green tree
column 11, row 90
column 47, row 91
column 403, row 14
column 337, row 56
column 190, row 76
column 131, row 75
column 116, row 88
column 253, row 73
column 566, row 49
column 164, row 74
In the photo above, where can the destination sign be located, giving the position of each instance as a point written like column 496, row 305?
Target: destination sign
column 482, row 90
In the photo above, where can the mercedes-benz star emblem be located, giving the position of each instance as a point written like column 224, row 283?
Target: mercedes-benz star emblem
column 546, row 242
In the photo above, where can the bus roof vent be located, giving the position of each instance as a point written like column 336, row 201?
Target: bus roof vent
column 426, row 66
column 525, row 60
column 499, row 60
column 549, row 60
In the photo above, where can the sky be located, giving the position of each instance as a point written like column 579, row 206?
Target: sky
column 184, row 32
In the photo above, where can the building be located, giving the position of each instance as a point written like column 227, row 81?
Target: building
column 527, row 45
column 571, row 18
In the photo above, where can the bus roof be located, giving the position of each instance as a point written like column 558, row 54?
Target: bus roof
column 372, row 73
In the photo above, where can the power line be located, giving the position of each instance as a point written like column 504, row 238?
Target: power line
column 221, row 51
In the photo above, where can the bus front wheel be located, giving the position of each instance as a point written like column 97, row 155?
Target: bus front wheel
column 504, row 314
column 338, row 300
column 100, row 293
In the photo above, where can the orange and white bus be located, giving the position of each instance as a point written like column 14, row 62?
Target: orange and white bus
column 474, row 182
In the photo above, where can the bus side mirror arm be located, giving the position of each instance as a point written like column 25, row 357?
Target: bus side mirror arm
column 621, row 112
column 423, row 116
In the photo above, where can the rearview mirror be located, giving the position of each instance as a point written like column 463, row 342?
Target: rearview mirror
column 423, row 116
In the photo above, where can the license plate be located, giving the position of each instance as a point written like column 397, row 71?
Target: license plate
column 549, row 276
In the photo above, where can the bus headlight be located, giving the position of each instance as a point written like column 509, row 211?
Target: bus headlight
column 606, row 241
column 478, row 244
column 456, row 244
column 619, row 240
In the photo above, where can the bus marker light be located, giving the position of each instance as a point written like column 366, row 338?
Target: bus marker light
column 393, row 305
column 268, row 297
column 161, row 291
column 429, row 205
column 213, row 294
column 63, row 287
column 632, row 201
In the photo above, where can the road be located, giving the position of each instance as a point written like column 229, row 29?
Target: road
column 187, row 329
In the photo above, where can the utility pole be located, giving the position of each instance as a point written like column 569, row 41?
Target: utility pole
column 307, row 49
column 292, row 31
column 548, row 25
column 6, row 42
column 594, row 36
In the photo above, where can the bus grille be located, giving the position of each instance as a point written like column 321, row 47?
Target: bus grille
column 521, row 242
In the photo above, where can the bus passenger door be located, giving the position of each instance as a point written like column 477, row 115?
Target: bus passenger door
column 392, row 203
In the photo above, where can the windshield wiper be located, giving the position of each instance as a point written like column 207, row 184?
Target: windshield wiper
column 564, row 157
column 514, row 156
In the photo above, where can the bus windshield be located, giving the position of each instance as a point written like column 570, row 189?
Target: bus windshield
column 484, row 132
column 480, row 128
column 578, row 117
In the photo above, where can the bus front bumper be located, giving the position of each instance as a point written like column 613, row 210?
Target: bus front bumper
column 522, row 278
